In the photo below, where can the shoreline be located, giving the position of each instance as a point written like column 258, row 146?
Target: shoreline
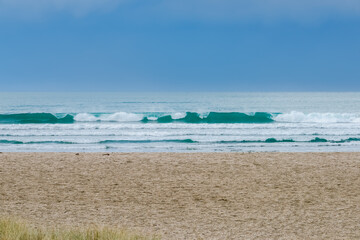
column 188, row 195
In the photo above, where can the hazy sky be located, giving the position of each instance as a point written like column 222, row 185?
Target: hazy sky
column 179, row 45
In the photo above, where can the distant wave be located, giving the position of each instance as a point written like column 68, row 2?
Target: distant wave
column 269, row 140
column 35, row 142
column 273, row 140
column 98, row 142
column 188, row 117
column 149, row 141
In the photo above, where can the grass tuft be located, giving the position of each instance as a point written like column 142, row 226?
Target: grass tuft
column 11, row 229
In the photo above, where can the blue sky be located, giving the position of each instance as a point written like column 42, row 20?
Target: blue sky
column 188, row 45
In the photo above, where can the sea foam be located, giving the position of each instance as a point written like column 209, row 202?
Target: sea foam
column 299, row 117
column 115, row 117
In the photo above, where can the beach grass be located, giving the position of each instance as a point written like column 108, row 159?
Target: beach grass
column 14, row 229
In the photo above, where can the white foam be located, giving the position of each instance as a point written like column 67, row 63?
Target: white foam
column 85, row 117
column 178, row 115
column 121, row 117
column 115, row 117
column 318, row 117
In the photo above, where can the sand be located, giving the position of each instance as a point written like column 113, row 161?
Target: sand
column 188, row 196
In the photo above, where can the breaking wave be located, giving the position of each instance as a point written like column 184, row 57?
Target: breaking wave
column 23, row 118
column 188, row 117
column 299, row 117
column 216, row 117
column 114, row 117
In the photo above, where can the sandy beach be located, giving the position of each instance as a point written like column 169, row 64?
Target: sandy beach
column 188, row 196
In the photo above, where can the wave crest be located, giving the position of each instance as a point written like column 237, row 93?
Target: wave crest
column 188, row 117
column 115, row 117
column 216, row 117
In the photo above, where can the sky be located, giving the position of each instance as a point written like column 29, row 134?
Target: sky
column 179, row 45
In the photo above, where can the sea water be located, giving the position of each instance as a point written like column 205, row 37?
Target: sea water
column 179, row 122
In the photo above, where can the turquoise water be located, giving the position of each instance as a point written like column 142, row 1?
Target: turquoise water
column 180, row 122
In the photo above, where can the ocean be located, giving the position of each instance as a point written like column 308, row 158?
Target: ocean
column 179, row 122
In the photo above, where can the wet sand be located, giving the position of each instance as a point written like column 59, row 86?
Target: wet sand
column 188, row 196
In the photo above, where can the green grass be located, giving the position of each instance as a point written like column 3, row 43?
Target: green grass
column 11, row 229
